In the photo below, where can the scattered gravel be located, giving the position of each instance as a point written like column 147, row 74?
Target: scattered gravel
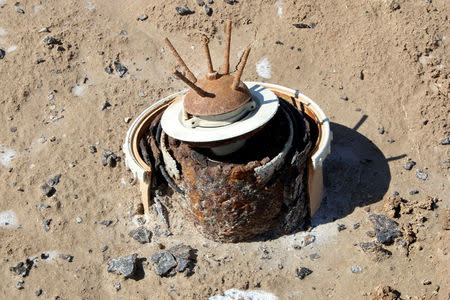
column 23, row 268
column 124, row 265
column 183, row 10
column 302, row 272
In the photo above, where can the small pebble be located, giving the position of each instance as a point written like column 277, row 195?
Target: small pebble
column 445, row 141
column 413, row 192
column 395, row 193
column 75, row 196
column 106, row 222
column 230, row 1
column 38, row 292
column 104, row 248
column 183, row 10
column 120, row 69
column 341, row 227
column 105, row 105
column 208, row 10
column 117, row 286
column 108, row 70
column 200, row 2
column 40, row 60
column 46, row 224
column 92, row 149
column 123, row 32
column 127, row 119
column 345, row 98
column 302, row 272
column 19, row 10
column 78, row 220
column 409, row 165
column 381, row 130
column 2, row 53
column 426, row 282
column 356, row 269
column 142, row 17
column 391, row 141
column 421, row 174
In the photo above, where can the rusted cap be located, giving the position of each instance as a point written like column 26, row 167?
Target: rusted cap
column 220, row 97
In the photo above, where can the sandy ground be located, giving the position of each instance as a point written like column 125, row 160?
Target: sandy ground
column 389, row 59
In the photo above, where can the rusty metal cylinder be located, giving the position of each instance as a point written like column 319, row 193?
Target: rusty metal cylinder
column 259, row 189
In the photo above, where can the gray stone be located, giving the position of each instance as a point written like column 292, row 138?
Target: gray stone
column 106, row 222
column 356, row 269
column 124, row 265
column 166, row 263
column 183, row 10
column 50, row 40
column 382, row 222
column 208, row 10
column 2, row 53
column 375, row 251
column 117, row 286
column 314, row 256
column 306, row 240
column 200, row 2
column 302, row 272
column 109, row 158
column 341, row 227
column 301, row 25
column 67, row 257
column 143, row 17
column 445, row 141
column 421, row 174
column 38, row 292
column 47, row 190
column 46, row 224
column 105, row 105
column 387, row 237
column 141, row 234
column 19, row 10
column 120, row 69
column 108, row 69
column 409, row 165
column 92, row 149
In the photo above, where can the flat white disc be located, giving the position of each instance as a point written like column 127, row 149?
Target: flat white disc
column 266, row 107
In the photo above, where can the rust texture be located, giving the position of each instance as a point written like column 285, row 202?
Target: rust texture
column 221, row 97
column 228, row 203
column 226, row 62
column 180, row 61
column 192, row 85
column 237, row 78
column 205, row 41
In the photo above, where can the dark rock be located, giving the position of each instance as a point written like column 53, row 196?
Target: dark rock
column 301, row 25
column 40, row 60
column 279, row 43
column 55, row 180
column 142, row 17
column 345, row 98
column 19, row 10
column 166, row 263
column 104, row 248
column 46, row 224
column 361, row 75
column 375, row 251
column 183, row 10
column 120, row 69
column 38, row 292
column 23, row 268
column 181, row 256
column 117, row 286
column 409, row 165
column 210, row 1
column 382, row 222
column 444, row 141
column 302, row 272
column 387, row 237
column 141, row 234
column 44, row 255
column 391, row 141
column 385, row 292
column 67, row 257
column 200, row 2
column 92, row 149
column 19, row 285
column 2, row 53
column 13, row 129
column 381, row 130
column 413, row 192
column 47, row 190
column 394, row 6
column 106, row 222
column 123, row 32
column 356, row 226
column 421, row 174
column 50, row 40
column 208, row 10
column 124, row 265
column 230, row 1
column 109, row 159
column 341, row 227
column 108, row 69
column 105, row 105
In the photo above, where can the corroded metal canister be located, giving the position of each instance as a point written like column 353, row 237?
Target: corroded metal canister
column 236, row 199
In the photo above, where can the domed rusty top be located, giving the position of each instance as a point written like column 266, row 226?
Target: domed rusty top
column 215, row 94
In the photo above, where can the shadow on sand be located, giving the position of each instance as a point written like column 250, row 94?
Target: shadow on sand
column 356, row 173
